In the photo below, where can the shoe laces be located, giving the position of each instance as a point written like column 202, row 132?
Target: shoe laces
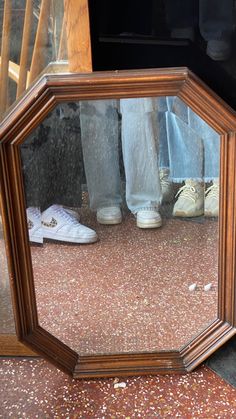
column 213, row 191
column 164, row 179
column 65, row 215
column 187, row 191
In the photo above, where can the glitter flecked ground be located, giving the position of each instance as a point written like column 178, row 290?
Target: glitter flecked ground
column 130, row 291
column 34, row 389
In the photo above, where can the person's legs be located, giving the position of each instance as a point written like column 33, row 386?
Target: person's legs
column 216, row 27
column 186, row 162
column 185, row 150
column 211, row 143
column 212, row 166
column 181, row 13
column 100, row 133
column 163, row 104
column 139, row 144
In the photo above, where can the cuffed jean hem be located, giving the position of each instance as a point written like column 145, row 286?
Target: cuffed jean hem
column 96, row 207
column 211, row 179
column 180, row 180
column 164, row 168
column 154, row 208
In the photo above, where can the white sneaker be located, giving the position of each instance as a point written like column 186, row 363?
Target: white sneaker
column 59, row 225
column 109, row 215
column 212, row 200
column 166, row 186
column 190, row 202
column 148, row 219
column 73, row 212
column 34, row 225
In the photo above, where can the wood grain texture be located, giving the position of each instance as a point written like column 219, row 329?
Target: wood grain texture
column 78, row 35
column 40, row 45
column 24, row 57
column 29, row 112
column 5, row 54
column 62, row 50
column 10, row 346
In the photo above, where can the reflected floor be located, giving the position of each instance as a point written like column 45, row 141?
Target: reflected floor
column 130, row 291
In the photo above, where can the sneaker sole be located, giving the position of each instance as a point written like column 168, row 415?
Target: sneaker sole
column 154, row 224
column 211, row 214
column 35, row 243
column 36, row 240
column 112, row 221
column 218, row 56
column 187, row 215
column 64, row 239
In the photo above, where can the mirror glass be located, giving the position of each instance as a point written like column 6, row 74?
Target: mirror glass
column 122, row 204
column 7, row 326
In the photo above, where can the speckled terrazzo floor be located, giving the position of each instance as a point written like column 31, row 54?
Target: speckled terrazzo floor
column 130, row 291
column 34, row 389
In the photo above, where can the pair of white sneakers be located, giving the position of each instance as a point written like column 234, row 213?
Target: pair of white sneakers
column 144, row 219
column 194, row 201
column 57, row 223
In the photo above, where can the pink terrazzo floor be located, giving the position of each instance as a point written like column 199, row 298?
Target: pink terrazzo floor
column 33, row 389
column 130, row 291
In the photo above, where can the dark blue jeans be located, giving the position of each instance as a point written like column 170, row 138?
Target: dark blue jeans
column 214, row 17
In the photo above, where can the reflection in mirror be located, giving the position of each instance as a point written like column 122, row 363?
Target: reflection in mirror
column 7, row 325
column 122, row 203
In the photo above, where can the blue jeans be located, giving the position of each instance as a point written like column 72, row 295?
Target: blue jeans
column 100, row 139
column 214, row 17
column 188, row 145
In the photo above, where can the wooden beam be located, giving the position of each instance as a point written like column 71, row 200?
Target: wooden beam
column 78, row 35
column 22, row 83
column 62, row 51
column 5, row 54
column 39, row 54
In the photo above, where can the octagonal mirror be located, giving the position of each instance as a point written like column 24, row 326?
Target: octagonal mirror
column 120, row 193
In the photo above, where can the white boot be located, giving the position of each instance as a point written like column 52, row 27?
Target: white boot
column 190, row 202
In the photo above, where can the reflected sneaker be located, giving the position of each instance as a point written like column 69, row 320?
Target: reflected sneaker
column 190, row 202
column 109, row 215
column 148, row 219
column 34, row 225
column 219, row 49
column 212, row 200
column 166, row 186
column 59, row 225
column 73, row 212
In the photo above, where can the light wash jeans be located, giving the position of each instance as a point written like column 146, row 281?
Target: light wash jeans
column 100, row 137
column 188, row 145
column 140, row 148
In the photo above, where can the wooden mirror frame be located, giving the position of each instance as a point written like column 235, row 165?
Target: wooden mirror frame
column 27, row 114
